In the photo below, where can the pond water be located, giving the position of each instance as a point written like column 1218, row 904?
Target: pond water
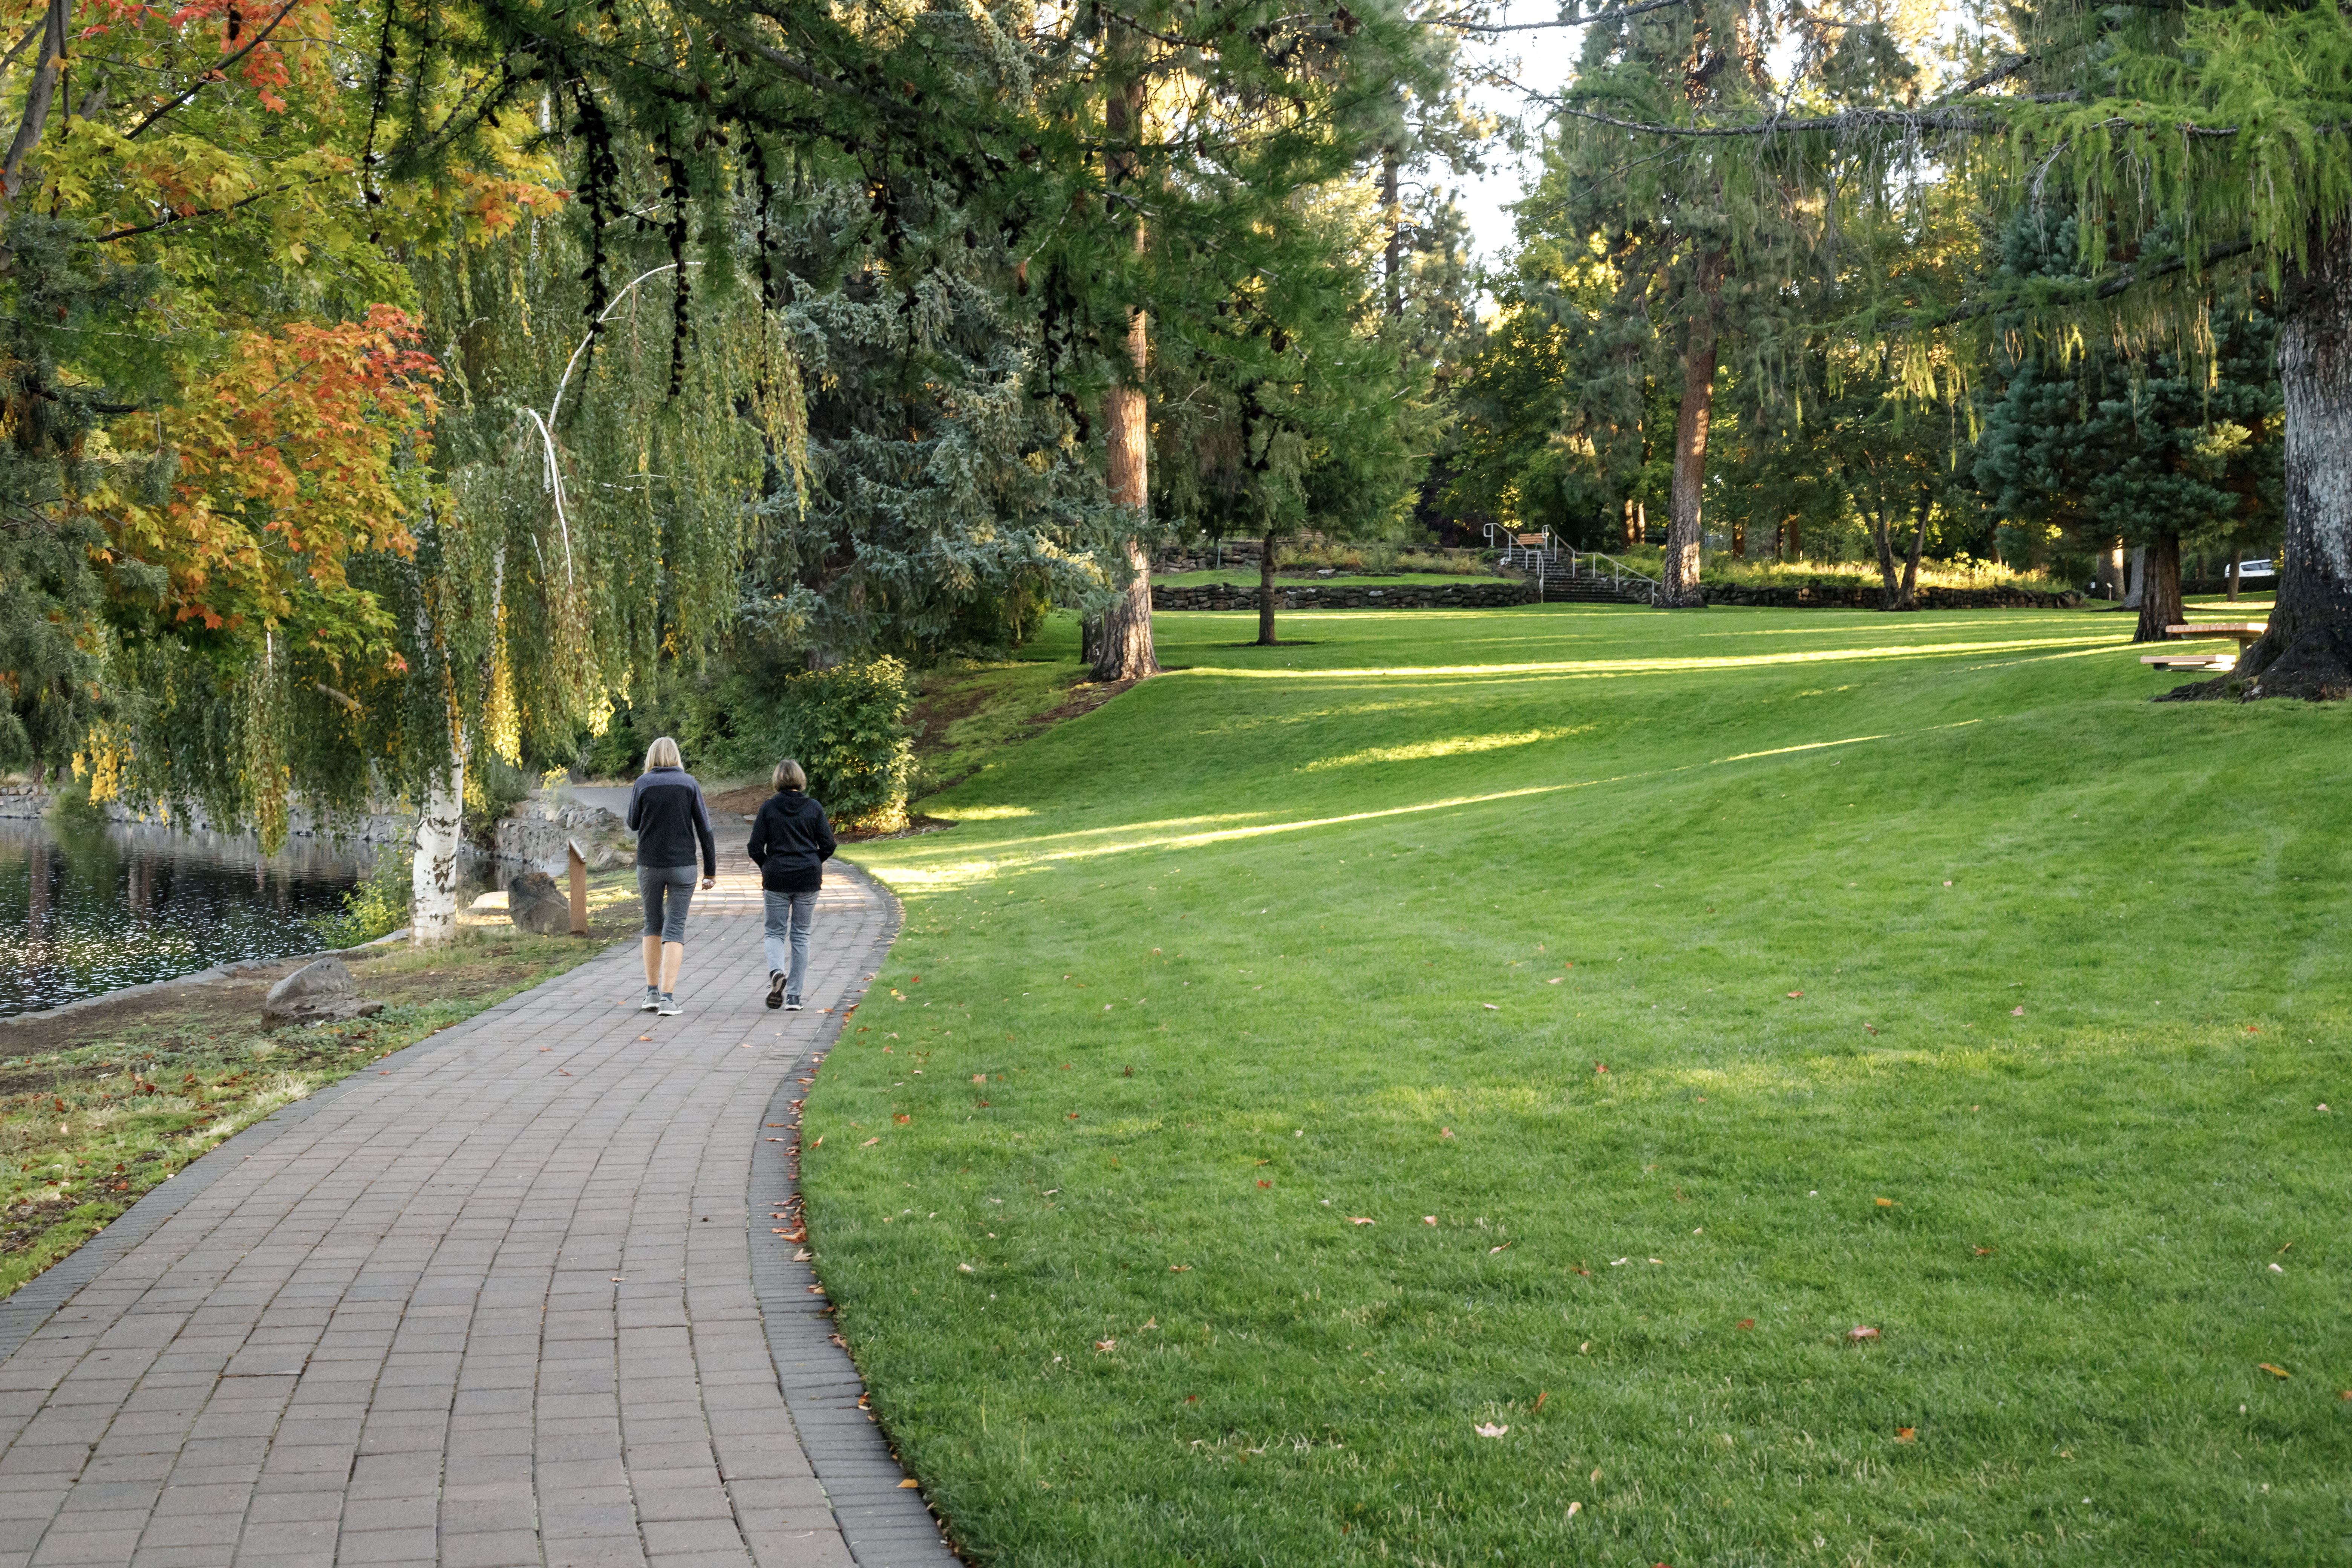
column 87, row 913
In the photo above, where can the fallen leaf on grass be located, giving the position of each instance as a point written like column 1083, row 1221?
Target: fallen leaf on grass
column 1354, row 1220
column 1554, row 980
column 1445, row 1132
column 1906, row 1434
column 901, row 1117
column 980, row 1078
column 1859, row 1333
column 1264, row 1184
column 1886, row 1203
column 1600, row 1068
column 1540, row 1398
column 1984, row 1252
column 870, row 1142
column 966, row 1268
column 1616, row 1261
column 1485, row 1430
column 1490, row 1006
column 909, row 1482
column 1491, row 1250
column 818, row 1144
column 1574, row 1509
column 2017, row 1012
column 1429, row 1219
column 2274, row 1371
column 1105, row 1344
column 1747, row 1322
column 1794, row 995
column 1180, row 1268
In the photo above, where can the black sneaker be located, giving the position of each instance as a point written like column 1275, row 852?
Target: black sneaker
column 775, row 988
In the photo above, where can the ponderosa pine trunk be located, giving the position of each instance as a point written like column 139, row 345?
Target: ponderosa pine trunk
column 2159, row 589
column 2307, row 651
column 1123, row 637
column 1265, row 638
column 1680, row 587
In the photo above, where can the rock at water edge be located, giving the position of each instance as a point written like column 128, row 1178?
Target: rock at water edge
column 536, row 904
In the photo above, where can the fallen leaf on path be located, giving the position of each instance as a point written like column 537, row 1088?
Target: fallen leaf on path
column 910, row 1482
column 1485, row 1430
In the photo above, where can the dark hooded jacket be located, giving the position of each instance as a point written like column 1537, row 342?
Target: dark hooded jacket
column 791, row 842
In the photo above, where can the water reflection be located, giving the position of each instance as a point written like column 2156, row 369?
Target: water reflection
column 91, row 911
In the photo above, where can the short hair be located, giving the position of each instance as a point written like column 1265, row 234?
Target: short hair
column 662, row 753
column 789, row 775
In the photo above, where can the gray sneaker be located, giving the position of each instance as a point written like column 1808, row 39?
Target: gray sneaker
column 792, row 1004
column 668, row 1007
column 651, row 1003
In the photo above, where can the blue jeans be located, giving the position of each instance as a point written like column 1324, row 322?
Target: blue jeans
column 677, row 881
column 789, row 916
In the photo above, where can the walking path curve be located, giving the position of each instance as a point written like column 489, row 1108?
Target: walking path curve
column 513, row 1298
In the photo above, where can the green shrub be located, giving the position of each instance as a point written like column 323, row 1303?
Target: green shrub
column 377, row 907
column 493, row 788
column 72, row 811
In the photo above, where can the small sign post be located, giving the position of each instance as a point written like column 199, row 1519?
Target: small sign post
column 579, row 864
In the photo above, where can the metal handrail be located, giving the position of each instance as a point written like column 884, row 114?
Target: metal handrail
column 1618, row 574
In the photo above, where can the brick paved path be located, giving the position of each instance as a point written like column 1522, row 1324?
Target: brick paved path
column 513, row 1300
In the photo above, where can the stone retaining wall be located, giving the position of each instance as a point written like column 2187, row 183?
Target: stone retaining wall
column 1870, row 596
column 1479, row 594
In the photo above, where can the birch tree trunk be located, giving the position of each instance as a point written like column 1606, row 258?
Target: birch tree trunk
column 1684, row 535
column 2307, row 651
column 440, row 829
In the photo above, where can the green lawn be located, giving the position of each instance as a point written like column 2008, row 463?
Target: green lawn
column 1945, row 987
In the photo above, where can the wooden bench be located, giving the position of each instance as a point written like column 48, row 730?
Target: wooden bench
column 2190, row 661
column 2246, row 632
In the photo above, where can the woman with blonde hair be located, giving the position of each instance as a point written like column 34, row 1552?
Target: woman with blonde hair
column 666, row 813
column 791, row 842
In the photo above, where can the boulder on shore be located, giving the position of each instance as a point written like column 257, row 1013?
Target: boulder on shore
column 318, row 993
column 536, row 904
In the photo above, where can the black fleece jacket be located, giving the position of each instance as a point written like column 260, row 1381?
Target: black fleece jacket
column 666, row 814
column 791, row 842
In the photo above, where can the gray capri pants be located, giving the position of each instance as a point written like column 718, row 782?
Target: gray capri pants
column 678, row 882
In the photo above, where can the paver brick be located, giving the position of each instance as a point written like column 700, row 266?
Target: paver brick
column 466, row 1311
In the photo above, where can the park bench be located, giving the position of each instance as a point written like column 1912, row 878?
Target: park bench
column 2245, row 632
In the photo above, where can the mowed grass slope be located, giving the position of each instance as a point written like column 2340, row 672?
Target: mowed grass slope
column 1944, row 985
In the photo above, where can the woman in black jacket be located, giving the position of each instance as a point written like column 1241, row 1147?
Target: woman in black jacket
column 666, row 814
column 791, row 842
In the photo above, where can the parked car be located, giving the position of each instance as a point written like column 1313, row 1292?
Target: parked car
column 2262, row 568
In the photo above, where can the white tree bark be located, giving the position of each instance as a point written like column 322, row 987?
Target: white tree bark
column 433, row 876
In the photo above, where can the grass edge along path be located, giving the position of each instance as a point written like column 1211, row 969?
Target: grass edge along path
column 1449, row 1092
